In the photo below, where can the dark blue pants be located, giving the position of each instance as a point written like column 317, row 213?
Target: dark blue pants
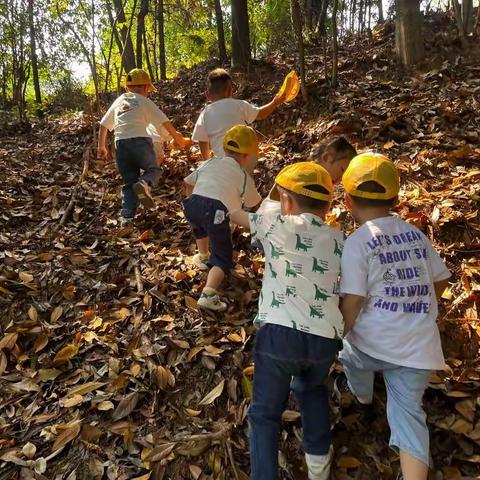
column 288, row 359
column 133, row 155
column 209, row 218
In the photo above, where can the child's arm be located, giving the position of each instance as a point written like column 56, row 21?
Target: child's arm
column 240, row 217
column 177, row 138
column 268, row 109
column 350, row 306
column 188, row 188
column 205, row 150
column 102, row 150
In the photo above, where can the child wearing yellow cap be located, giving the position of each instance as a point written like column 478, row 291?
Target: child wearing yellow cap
column 129, row 116
column 220, row 185
column 392, row 278
column 300, row 321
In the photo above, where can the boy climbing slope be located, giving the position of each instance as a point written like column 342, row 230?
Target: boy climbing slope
column 300, row 318
column 223, row 113
column 129, row 116
column 392, row 278
column 220, row 185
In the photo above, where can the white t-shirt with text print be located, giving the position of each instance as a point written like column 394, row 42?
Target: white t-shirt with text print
column 394, row 265
column 302, row 266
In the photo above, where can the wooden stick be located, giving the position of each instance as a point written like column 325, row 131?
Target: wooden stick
column 69, row 208
column 138, row 279
column 203, row 436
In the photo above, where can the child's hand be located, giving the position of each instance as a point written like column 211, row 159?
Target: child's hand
column 102, row 152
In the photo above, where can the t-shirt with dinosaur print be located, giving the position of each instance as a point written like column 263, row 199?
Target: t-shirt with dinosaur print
column 302, row 268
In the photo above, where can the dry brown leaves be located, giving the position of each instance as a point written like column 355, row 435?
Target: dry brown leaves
column 107, row 367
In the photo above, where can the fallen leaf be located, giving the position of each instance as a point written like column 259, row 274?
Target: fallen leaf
column 126, row 406
column 65, row 354
column 213, row 394
column 348, row 462
column 67, row 435
column 56, row 314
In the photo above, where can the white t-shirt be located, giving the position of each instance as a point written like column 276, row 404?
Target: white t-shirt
column 218, row 117
column 302, row 266
column 225, row 180
column 394, row 265
column 158, row 135
column 130, row 114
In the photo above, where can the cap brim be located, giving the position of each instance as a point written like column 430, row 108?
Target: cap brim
column 151, row 88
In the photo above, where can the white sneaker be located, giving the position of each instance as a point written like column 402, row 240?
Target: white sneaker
column 142, row 189
column 209, row 299
column 319, row 465
column 200, row 259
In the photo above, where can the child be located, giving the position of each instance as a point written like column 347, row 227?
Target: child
column 301, row 324
column 392, row 278
column 223, row 113
column 219, row 185
column 129, row 116
column 334, row 156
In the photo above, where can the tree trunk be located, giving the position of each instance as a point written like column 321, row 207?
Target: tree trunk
column 334, row 44
column 141, row 31
column 408, row 32
column 147, row 58
column 322, row 17
column 161, row 40
column 381, row 19
column 296, row 13
column 33, row 54
column 467, row 16
column 127, row 46
column 222, row 50
column 241, row 53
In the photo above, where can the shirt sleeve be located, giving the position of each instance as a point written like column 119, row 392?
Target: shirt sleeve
column 249, row 112
column 192, row 178
column 154, row 115
column 108, row 120
column 251, row 197
column 354, row 269
column 439, row 269
column 200, row 131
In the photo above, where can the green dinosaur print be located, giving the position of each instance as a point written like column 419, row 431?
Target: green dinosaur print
column 280, row 219
column 272, row 271
column 315, row 312
column 317, row 224
column 289, row 271
column 276, row 252
column 320, row 293
column 294, row 325
column 253, row 233
column 337, row 335
column 275, row 302
column 255, row 217
column 337, row 250
column 290, row 291
column 321, row 266
column 300, row 245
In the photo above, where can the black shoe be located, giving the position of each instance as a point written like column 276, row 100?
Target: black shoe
column 346, row 398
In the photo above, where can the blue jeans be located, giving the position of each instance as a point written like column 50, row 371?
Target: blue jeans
column 133, row 155
column 288, row 359
column 405, row 388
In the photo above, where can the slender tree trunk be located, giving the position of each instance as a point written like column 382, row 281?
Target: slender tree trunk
column 147, row 58
column 141, row 30
column 408, row 32
column 460, row 23
column 322, row 17
column 380, row 11
column 241, row 53
column 467, row 16
column 334, row 44
column 161, row 40
column 222, row 50
column 296, row 13
column 33, row 54
column 128, row 55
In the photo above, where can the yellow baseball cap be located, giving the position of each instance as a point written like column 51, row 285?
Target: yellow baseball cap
column 137, row 76
column 372, row 167
column 299, row 176
column 241, row 139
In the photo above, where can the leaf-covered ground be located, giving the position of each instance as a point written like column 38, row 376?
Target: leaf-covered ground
column 107, row 368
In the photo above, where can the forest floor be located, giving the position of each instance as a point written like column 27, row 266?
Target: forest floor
column 107, row 367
